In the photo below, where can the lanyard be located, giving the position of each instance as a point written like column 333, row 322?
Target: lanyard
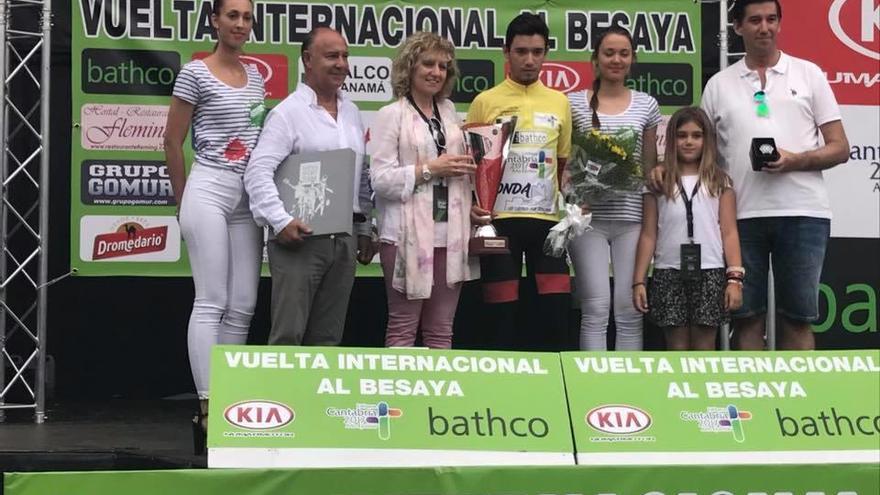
column 689, row 207
column 434, row 129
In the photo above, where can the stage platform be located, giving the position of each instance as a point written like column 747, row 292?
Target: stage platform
column 101, row 435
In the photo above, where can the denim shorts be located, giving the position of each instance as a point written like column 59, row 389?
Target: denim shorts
column 797, row 246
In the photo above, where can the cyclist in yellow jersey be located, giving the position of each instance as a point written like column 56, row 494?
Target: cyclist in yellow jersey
column 526, row 205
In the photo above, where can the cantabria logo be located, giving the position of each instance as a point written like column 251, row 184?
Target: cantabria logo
column 720, row 419
column 259, row 415
column 861, row 38
column 367, row 417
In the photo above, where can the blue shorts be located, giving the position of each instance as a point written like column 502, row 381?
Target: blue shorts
column 797, row 245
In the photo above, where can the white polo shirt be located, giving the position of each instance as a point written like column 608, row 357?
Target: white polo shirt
column 299, row 125
column 800, row 100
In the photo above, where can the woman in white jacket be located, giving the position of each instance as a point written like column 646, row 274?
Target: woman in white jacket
column 422, row 181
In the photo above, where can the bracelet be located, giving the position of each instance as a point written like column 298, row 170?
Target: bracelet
column 637, row 284
column 736, row 269
column 734, row 281
column 735, row 276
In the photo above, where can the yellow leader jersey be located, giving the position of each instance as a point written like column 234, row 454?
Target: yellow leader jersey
column 543, row 135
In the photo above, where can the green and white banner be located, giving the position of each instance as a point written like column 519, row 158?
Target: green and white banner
column 840, row 479
column 127, row 53
column 328, row 406
column 724, row 407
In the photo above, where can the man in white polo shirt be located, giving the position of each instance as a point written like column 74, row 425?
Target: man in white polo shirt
column 782, row 210
column 311, row 277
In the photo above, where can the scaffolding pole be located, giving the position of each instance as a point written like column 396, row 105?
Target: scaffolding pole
column 25, row 30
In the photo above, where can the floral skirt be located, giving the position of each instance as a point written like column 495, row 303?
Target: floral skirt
column 674, row 302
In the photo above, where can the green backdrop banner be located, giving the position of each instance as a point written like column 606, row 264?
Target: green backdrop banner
column 724, row 407
column 126, row 55
column 842, row 479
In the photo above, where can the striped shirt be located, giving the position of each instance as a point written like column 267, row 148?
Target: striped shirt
column 643, row 113
column 226, row 120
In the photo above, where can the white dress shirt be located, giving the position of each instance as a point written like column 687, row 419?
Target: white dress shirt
column 299, row 125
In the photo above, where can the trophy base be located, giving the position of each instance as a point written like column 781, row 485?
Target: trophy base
column 484, row 246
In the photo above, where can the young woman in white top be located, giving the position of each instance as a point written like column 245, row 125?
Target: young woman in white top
column 609, row 107
column 690, row 297
column 223, row 101
column 421, row 177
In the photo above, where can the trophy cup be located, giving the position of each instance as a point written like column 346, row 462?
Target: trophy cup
column 488, row 144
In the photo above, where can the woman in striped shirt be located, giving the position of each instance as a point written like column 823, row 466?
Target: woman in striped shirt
column 609, row 107
column 223, row 101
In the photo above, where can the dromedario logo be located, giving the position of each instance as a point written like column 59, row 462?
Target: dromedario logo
column 129, row 239
column 860, row 37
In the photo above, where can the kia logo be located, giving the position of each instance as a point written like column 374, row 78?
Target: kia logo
column 868, row 26
column 258, row 415
column 618, row 419
column 261, row 65
column 560, row 76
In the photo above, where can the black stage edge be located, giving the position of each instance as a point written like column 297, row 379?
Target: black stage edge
column 101, row 436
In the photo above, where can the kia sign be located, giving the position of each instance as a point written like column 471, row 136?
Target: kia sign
column 843, row 38
column 618, row 419
column 865, row 35
column 258, row 415
column 272, row 67
column 564, row 76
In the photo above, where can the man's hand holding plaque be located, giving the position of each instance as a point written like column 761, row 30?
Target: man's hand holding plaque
column 488, row 145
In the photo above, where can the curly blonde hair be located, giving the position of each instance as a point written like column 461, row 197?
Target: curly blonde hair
column 408, row 56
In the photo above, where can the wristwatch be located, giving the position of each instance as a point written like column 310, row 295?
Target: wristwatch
column 426, row 173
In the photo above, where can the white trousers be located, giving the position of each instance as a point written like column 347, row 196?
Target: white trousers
column 590, row 254
column 224, row 246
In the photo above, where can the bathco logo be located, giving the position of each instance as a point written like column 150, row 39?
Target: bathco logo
column 259, row 415
column 475, row 77
column 129, row 72
column 618, row 419
column 856, row 23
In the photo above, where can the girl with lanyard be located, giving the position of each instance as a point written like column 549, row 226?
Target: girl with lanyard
column 690, row 230
column 423, row 195
column 223, row 100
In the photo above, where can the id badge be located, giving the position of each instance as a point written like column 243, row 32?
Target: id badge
column 690, row 262
column 441, row 203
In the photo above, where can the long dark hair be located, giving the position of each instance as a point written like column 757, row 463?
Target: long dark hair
column 597, row 81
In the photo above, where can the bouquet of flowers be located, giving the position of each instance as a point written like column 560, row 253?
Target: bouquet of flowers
column 602, row 166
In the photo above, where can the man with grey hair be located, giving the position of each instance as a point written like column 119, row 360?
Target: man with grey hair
column 311, row 277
